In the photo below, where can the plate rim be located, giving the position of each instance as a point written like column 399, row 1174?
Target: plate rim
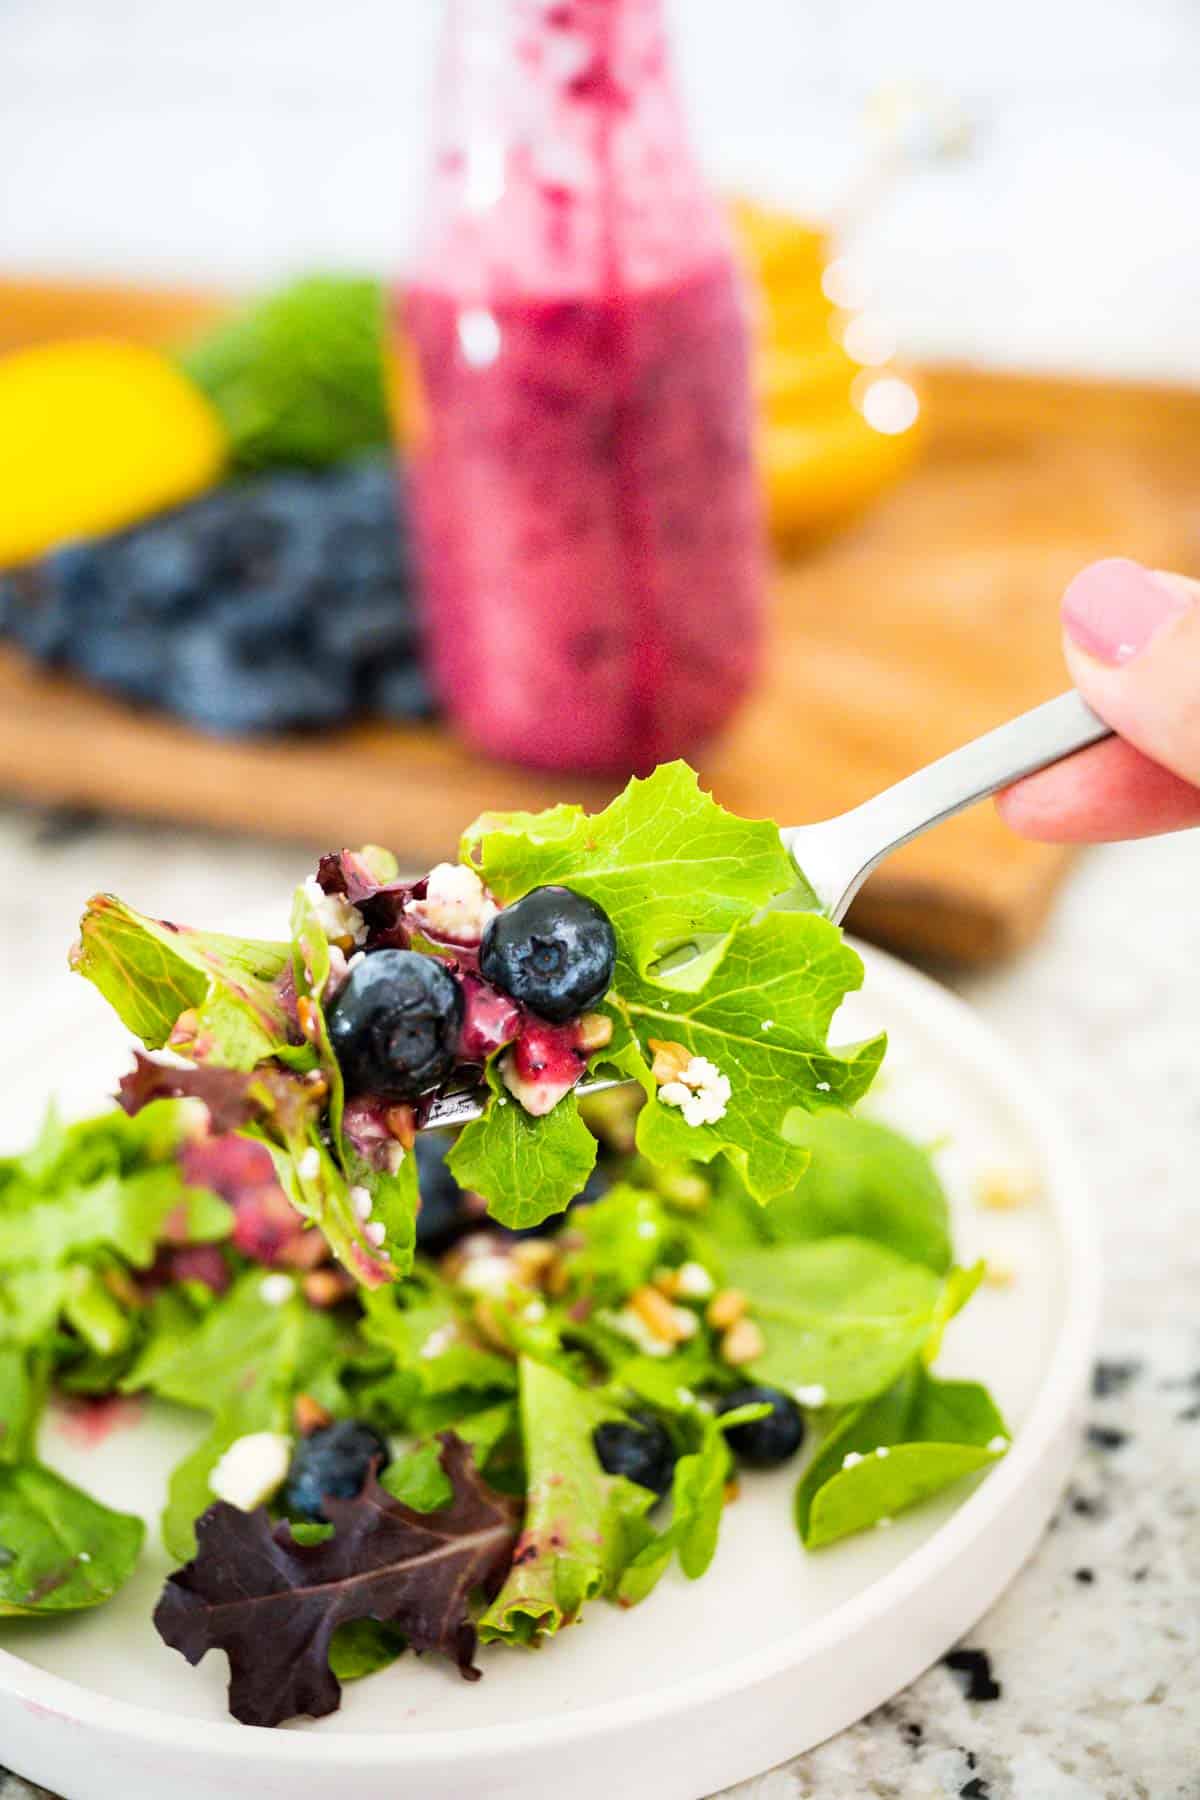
column 950, row 1019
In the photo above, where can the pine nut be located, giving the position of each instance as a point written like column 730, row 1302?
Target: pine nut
column 595, row 1030
column 401, row 1121
column 670, row 1060
column 742, row 1343
column 726, row 1308
column 669, row 1324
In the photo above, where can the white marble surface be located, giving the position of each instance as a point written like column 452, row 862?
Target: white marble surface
column 1097, row 1676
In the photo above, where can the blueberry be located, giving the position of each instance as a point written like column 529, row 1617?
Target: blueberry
column 128, row 658
column 641, row 1450
column 553, row 950
column 161, row 568
column 275, row 604
column 399, row 691
column 211, row 683
column 444, row 1214
column 765, row 1442
column 332, row 1464
column 394, row 1025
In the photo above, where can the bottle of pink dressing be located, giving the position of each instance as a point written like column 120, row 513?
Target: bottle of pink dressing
column 582, row 476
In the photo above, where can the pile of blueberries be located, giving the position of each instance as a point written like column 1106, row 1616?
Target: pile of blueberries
column 269, row 605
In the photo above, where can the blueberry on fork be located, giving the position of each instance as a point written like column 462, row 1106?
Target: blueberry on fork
column 394, row 1025
column 553, row 951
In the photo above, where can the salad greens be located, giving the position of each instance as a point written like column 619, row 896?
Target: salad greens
column 63, row 1551
column 933, row 1432
column 567, row 1394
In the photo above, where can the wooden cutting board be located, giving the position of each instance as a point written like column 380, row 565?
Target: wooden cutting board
column 933, row 619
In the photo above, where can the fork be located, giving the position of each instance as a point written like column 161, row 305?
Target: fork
column 836, row 855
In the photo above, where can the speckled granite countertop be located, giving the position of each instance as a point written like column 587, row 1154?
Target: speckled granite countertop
column 1084, row 1681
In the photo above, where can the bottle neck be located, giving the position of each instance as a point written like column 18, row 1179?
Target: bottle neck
column 562, row 157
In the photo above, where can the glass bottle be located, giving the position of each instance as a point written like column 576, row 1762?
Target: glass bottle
column 582, row 474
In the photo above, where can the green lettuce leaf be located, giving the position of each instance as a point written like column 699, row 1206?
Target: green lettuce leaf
column 582, row 1526
column 424, row 1331
column 621, row 1241
column 83, row 1194
column 790, row 970
column 525, row 1168
column 241, row 1343
column 24, row 1376
column 842, row 1314
column 865, row 1180
column 668, row 865
column 934, row 1432
column 697, row 1503
column 677, row 874
column 211, row 997
column 364, row 1646
column 60, row 1550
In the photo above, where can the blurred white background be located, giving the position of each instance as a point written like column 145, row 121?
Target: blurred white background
column 214, row 139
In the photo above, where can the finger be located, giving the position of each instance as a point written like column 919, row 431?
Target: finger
column 1132, row 641
column 1109, row 792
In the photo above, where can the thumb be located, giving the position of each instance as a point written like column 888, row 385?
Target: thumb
column 1132, row 640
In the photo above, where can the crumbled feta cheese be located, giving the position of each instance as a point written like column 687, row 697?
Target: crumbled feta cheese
column 882, row 1524
column 456, row 906
column 693, row 1281
column 360, row 1200
column 85, row 1556
column 646, row 1228
column 701, row 1093
column 534, row 1311
column 339, row 973
column 487, row 1274
column 813, row 1395
column 251, row 1469
column 767, row 1025
column 851, row 1459
column 823, row 1087
column 335, row 915
column 276, row 1290
column 359, row 956
column 997, row 1444
column 375, row 1233
column 394, row 1154
column 438, row 1340
column 881, row 1451
column 308, row 1164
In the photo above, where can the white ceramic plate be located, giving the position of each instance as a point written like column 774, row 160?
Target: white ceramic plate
column 704, row 1684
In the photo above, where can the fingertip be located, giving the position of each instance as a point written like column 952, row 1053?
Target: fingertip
column 1103, row 794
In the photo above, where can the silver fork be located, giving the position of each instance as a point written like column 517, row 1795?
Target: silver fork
column 838, row 854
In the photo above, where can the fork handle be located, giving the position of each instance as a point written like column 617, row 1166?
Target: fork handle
column 845, row 850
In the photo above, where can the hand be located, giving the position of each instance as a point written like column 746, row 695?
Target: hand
column 1132, row 642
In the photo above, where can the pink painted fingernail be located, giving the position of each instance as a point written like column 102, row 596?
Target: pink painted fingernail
column 1114, row 608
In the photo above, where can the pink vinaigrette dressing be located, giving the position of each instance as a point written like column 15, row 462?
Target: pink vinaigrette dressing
column 582, row 473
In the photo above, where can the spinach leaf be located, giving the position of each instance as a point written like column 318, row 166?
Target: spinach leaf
column 842, row 1314
column 60, row 1550
column 930, row 1432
